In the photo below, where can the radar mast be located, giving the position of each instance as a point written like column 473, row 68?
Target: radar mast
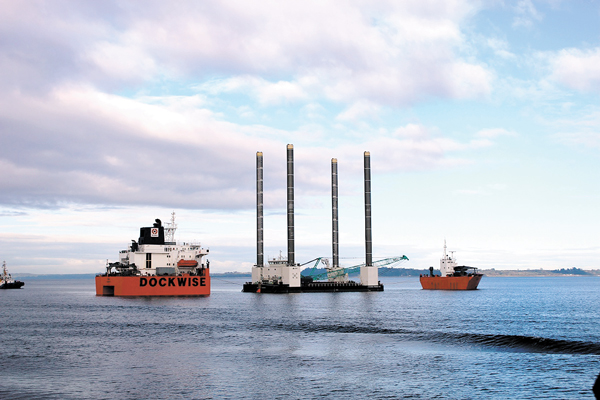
column 170, row 228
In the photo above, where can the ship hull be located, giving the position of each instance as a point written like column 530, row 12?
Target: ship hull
column 451, row 282
column 312, row 287
column 181, row 285
column 12, row 285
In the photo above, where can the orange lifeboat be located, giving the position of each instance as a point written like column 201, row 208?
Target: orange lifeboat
column 187, row 263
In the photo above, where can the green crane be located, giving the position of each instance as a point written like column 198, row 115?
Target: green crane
column 332, row 274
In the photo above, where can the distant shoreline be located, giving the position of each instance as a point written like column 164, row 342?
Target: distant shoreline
column 539, row 272
column 383, row 272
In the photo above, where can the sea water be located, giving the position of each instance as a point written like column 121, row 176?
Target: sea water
column 517, row 338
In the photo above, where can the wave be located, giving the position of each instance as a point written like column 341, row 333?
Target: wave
column 533, row 344
column 515, row 343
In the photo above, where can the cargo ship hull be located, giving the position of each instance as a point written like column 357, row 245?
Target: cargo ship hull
column 181, row 285
column 451, row 282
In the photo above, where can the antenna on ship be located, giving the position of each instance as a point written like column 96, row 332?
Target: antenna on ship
column 170, row 228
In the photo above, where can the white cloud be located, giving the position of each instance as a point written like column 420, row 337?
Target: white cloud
column 359, row 110
column 412, row 131
column 85, row 146
column 121, row 62
column 500, row 48
column 265, row 92
column 388, row 52
column 588, row 139
column 91, row 145
column 469, row 81
column 281, row 91
column 526, row 14
column 577, row 69
column 487, row 190
column 416, row 147
column 494, row 132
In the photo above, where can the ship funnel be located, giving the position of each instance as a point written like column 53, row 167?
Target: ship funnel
column 368, row 239
column 259, row 210
column 334, row 212
column 290, row 203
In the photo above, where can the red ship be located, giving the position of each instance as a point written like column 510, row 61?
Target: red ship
column 453, row 277
column 156, row 265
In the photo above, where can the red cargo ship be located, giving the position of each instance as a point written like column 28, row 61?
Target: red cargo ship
column 453, row 277
column 156, row 265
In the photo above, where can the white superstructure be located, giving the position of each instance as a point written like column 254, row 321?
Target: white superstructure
column 152, row 254
column 6, row 278
column 447, row 263
column 277, row 271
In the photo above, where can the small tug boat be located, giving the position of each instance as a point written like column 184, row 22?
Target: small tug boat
column 453, row 277
column 156, row 265
column 6, row 281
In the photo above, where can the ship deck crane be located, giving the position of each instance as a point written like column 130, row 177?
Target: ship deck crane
column 332, row 274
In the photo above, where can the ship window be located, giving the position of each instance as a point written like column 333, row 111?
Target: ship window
column 148, row 260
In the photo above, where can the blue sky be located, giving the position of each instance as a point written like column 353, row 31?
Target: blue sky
column 482, row 119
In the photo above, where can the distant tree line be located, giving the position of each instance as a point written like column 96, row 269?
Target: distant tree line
column 571, row 271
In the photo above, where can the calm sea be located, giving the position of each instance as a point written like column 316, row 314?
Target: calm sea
column 514, row 338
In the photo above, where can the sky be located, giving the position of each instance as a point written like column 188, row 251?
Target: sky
column 482, row 119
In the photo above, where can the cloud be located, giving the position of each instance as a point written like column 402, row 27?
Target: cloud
column 588, row 139
column 412, row 131
column 8, row 213
column 577, row 69
column 133, row 63
column 416, row 147
column 494, row 132
column 79, row 145
column 389, row 53
column 576, row 126
column 526, row 14
column 263, row 91
column 500, row 48
column 359, row 110
column 85, row 119
column 487, row 190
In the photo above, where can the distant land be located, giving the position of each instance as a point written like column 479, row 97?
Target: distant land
column 383, row 272
column 542, row 272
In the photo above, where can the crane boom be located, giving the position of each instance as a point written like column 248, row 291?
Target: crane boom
column 332, row 274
